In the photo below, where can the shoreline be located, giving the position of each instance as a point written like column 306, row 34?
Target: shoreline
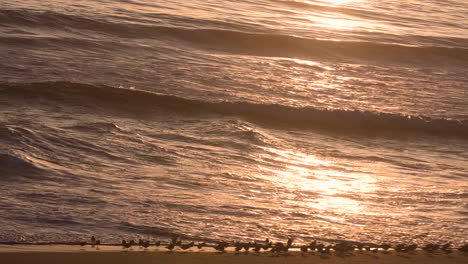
column 49, row 254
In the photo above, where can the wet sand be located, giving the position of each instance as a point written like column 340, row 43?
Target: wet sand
column 115, row 255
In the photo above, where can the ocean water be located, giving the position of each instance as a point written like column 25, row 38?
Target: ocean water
column 342, row 120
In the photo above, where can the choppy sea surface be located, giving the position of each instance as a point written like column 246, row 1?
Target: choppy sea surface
column 341, row 120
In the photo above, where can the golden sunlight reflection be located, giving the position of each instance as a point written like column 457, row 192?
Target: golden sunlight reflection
column 333, row 2
column 332, row 20
column 313, row 176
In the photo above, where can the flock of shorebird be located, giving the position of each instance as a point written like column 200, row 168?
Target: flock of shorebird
column 267, row 245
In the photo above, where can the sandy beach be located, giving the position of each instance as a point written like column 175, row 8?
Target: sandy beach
column 115, row 255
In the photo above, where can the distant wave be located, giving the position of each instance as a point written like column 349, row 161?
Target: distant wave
column 231, row 41
column 13, row 165
column 142, row 102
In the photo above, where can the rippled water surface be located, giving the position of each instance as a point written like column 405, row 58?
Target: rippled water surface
column 234, row 120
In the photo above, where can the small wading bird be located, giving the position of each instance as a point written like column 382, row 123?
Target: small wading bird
column 400, row 248
column 221, row 246
column 125, row 244
column 447, row 247
column 175, row 240
column 237, row 246
column 290, row 241
column 385, row 246
column 268, row 244
column 146, row 244
column 170, row 246
column 200, row 245
column 313, row 245
column 411, row 248
column 431, row 247
column 247, row 246
column 187, row 246
column 256, row 247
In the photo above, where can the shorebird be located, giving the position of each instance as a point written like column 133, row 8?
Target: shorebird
column 290, row 241
column 400, row 248
column 447, row 248
column 158, row 243
column 267, row 245
column 313, row 245
column 175, row 240
column 238, row 247
column 93, row 239
column 98, row 242
column 385, row 246
column 220, row 247
column 279, row 247
column 83, row 243
column 170, row 246
column 247, row 246
column 431, row 247
column 187, row 246
column 256, row 247
column 125, row 244
column 320, row 247
column 411, row 247
column 343, row 247
column 200, row 245
column 304, row 249
column 145, row 244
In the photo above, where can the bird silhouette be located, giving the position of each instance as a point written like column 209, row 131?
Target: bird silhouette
column 237, row 247
column 411, row 248
column 221, row 246
column 187, row 246
column 385, row 246
column 200, row 245
column 125, row 244
column 447, row 248
column 431, row 247
column 290, row 241
column 400, row 248
column 256, row 247
column 170, row 246
column 145, row 244
column 313, row 245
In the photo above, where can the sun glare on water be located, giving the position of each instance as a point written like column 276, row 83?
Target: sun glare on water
column 332, row 2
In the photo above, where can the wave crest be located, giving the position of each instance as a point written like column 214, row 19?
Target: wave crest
column 231, row 40
column 142, row 102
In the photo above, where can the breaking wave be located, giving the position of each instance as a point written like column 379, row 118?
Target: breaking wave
column 101, row 97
